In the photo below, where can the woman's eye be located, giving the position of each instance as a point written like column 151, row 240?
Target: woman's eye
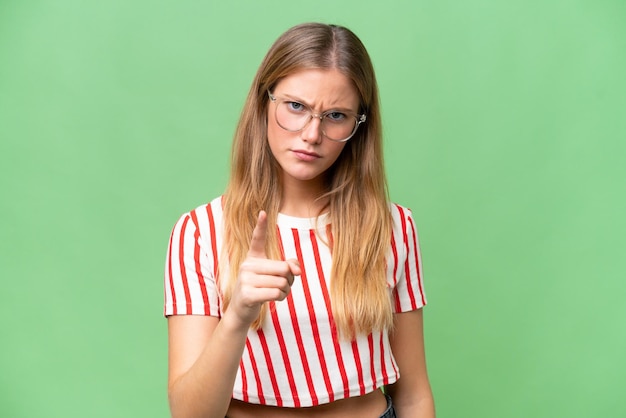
column 336, row 116
column 295, row 106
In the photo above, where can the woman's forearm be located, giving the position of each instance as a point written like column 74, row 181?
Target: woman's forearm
column 205, row 390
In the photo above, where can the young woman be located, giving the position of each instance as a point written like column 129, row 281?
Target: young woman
column 299, row 291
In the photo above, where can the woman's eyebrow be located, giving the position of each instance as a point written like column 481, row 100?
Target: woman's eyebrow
column 299, row 100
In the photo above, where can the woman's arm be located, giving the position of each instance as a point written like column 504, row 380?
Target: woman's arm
column 411, row 394
column 204, row 351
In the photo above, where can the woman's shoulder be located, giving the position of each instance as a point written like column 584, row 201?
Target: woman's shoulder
column 205, row 216
column 400, row 212
column 404, row 225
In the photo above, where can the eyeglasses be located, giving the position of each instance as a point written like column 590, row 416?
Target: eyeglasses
column 336, row 125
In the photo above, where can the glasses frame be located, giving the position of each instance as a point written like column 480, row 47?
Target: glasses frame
column 359, row 118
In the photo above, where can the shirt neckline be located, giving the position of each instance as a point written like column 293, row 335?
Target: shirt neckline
column 286, row 221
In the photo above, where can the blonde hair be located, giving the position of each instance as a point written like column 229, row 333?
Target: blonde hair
column 356, row 189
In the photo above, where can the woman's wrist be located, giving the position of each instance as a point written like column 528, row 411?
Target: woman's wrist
column 232, row 324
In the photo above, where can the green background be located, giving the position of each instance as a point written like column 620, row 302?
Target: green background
column 505, row 134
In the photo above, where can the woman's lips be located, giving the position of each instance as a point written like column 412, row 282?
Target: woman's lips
column 305, row 155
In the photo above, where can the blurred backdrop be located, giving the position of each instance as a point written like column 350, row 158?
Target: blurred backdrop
column 505, row 134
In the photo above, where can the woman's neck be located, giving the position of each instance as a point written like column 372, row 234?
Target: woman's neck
column 301, row 199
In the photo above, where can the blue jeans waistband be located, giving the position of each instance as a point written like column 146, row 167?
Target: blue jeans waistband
column 389, row 412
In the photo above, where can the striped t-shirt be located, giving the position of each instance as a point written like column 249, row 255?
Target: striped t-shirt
column 296, row 359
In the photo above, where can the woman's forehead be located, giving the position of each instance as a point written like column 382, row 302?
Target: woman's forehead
column 319, row 88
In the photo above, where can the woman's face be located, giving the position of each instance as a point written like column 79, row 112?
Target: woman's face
column 304, row 156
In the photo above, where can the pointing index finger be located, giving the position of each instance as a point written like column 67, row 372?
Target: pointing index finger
column 259, row 236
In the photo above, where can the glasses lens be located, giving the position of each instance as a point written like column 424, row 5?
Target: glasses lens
column 338, row 126
column 294, row 116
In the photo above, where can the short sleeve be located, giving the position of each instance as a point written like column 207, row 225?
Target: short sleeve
column 408, row 292
column 190, row 286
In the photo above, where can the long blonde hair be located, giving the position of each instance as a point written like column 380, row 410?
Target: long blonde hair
column 356, row 189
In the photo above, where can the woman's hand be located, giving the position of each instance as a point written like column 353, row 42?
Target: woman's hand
column 260, row 279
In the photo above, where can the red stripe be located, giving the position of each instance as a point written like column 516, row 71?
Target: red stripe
column 209, row 211
column 395, row 259
column 407, row 268
column 285, row 354
column 312, row 316
column 181, row 261
column 395, row 369
column 300, row 343
column 393, row 363
column 331, row 320
column 417, row 262
column 255, row 371
column 396, row 298
column 383, row 366
column 270, row 367
column 196, row 258
column 370, row 343
column 244, row 381
column 281, row 339
column 169, row 272
column 359, row 368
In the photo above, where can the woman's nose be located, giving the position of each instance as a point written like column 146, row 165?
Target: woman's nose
column 312, row 132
